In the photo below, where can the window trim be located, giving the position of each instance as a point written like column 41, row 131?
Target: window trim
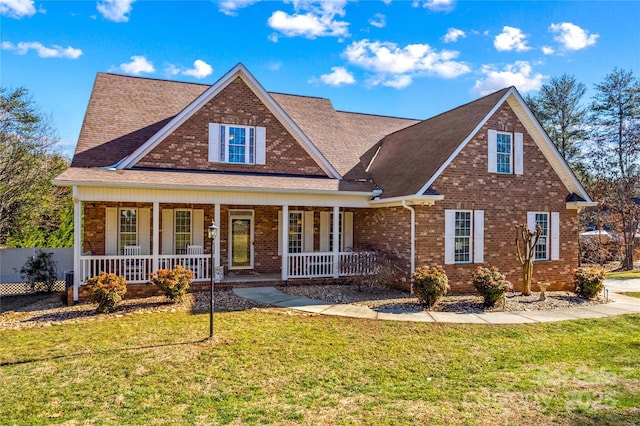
column 175, row 232
column 547, row 237
column 249, row 147
column 470, row 237
column 511, row 153
column 340, row 233
column 137, row 231
column 288, row 227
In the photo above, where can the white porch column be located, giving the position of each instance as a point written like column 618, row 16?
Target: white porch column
column 77, row 241
column 336, row 242
column 285, row 243
column 216, row 243
column 155, row 262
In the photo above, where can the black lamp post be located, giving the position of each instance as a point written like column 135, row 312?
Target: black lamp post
column 213, row 232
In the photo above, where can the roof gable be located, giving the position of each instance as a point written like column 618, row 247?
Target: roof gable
column 239, row 71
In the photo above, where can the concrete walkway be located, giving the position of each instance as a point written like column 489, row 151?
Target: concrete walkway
column 619, row 306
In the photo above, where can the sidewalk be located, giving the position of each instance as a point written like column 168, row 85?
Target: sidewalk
column 619, row 306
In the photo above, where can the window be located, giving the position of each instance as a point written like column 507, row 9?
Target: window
column 541, row 250
column 182, row 230
column 503, row 153
column 295, row 232
column 339, row 232
column 462, row 253
column 237, row 144
column 128, row 227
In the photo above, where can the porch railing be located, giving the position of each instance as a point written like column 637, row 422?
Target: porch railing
column 322, row 264
column 136, row 269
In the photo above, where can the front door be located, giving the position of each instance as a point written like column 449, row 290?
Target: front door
column 241, row 239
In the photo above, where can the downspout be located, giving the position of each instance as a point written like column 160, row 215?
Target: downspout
column 413, row 241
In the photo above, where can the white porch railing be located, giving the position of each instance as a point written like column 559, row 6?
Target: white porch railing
column 136, row 269
column 322, row 264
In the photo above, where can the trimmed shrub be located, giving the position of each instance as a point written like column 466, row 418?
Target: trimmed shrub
column 107, row 290
column 430, row 284
column 588, row 281
column 174, row 283
column 491, row 284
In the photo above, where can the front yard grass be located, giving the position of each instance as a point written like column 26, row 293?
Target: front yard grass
column 632, row 294
column 624, row 275
column 274, row 366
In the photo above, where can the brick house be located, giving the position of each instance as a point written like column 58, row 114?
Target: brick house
column 157, row 161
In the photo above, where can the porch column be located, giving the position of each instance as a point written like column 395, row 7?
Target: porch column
column 77, row 241
column 155, row 262
column 285, row 243
column 216, row 243
column 336, row 242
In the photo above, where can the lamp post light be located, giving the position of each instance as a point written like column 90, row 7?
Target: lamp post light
column 213, row 232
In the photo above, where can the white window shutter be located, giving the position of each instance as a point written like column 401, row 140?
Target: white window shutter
column 111, row 231
column 518, row 160
column 280, row 231
column 167, row 231
column 347, row 231
column 324, row 231
column 197, row 227
column 144, row 230
column 214, row 143
column 478, row 236
column 308, row 232
column 531, row 221
column 261, row 145
column 555, row 236
column 492, row 153
column 449, row 236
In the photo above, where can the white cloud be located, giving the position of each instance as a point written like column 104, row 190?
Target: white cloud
column 115, row 10
column 452, row 35
column 17, row 8
column 311, row 20
column 274, row 66
column 338, row 77
column 572, row 37
column 44, row 52
column 138, row 65
column 548, row 50
column 230, row 7
column 200, row 69
column 511, row 39
column 435, row 5
column 519, row 74
column 395, row 66
column 378, row 21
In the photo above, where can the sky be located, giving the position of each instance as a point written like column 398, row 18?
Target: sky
column 411, row 59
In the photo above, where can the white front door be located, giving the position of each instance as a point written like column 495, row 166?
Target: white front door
column 241, row 239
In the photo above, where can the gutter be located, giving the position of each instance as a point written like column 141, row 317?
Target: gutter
column 414, row 200
column 413, row 241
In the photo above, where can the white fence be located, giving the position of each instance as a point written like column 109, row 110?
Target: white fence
column 322, row 264
column 11, row 260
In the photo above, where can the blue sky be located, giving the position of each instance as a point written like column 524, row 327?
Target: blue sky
column 401, row 58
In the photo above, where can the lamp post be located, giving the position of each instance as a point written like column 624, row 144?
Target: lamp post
column 213, row 232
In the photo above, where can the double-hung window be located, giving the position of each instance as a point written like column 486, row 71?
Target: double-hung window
column 462, row 251
column 464, row 236
column 128, row 227
column 296, row 232
column 341, row 242
column 182, row 230
column 541, row 250
column 504, row 150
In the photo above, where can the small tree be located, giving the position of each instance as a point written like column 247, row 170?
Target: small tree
column 526, row 241
column 372, row 269
column 40, row 268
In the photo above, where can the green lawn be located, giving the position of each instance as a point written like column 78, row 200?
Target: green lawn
column 272, row 367
column 624, row 275
column 632, row 294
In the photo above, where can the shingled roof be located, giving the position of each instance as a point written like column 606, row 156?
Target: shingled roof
column 408, row 158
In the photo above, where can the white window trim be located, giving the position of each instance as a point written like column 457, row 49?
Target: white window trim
column 286, row 225
column 175, row 224
column 511, row 153
column 330, row 231
column 532, row 227
column 470, row 238
column 247, row 148
column 120, row 209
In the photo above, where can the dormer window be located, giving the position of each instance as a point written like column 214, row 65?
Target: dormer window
column 236, row 144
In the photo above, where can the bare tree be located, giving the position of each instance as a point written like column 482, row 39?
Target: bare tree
column 526, row 241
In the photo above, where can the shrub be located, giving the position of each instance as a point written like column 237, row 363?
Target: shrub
column 107, row 291
column 491, row 284
column 174, row 283
column 40, row 269
column 588, row 281
column 430, row 284
column 386, row 271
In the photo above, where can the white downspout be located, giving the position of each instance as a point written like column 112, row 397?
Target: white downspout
column 413, row 241
column 77, row 241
